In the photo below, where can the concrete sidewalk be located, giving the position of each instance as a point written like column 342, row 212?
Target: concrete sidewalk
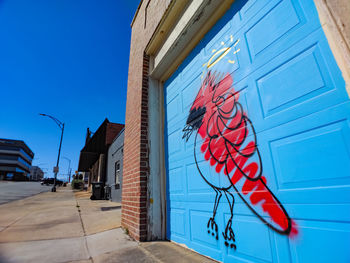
column 69, row 227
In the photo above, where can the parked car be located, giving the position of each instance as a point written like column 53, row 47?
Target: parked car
column 48, row 181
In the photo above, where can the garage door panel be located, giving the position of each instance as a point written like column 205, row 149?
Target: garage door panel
column 180, row 156
column 322, row 154
column 197, row 189
column 175, row 143
column 282, row 248
column 249, row 249
column 289, row 22
column 198, row 219
column 197, row 214
column 336, row 194
column 176, row 124
column 171, row 90
column 192, row 71
column 195, row 182
column 188, row 94
column 325, row 89
column 293, row 81
column 242, row 12
column 189, row 145
column 213, row 39
column 177, row 185
column 249, row 9
column 332, row 238
column 175, row 108
column 178, row 197
column 318, row 155
column 319, row 211
column 172, row 164
column 320, row 241
column 276, row 18
column 178, row 222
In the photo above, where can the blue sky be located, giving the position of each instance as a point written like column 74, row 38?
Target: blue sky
column 66, row 58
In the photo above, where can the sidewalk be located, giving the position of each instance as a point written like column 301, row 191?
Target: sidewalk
column 69, row 227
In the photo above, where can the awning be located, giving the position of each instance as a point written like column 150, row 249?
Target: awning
column 86, row 160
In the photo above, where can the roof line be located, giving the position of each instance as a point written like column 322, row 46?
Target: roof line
column 137, row 11
column 116, row 137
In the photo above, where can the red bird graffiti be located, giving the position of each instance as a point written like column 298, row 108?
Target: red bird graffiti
column 225, row 137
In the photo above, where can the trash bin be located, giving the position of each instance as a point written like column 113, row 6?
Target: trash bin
column 97, row 191
column 107, row 192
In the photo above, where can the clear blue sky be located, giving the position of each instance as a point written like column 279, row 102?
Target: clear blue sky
column 66, row 58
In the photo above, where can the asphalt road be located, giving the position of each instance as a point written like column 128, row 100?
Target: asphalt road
column 11, row 191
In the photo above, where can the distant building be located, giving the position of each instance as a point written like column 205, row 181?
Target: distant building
column 94, row 154
column 115, row 167
column 15, row 160
column 36, row 174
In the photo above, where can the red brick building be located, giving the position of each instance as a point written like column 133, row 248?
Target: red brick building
column 136, row 152
column 93, row 157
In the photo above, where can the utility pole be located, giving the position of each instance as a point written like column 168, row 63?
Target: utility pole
column 69, row 169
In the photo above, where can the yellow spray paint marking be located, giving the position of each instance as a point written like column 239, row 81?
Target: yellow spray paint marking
column 237, row 51
column 218, row 55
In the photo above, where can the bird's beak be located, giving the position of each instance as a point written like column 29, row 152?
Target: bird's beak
column 194, row 121
column 187, row 131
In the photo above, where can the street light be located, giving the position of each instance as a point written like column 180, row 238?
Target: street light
column 61, row 126
column 69, row 169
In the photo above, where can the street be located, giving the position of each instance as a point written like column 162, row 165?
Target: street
column 11, row 191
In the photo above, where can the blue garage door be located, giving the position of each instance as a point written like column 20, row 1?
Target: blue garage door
column 257, row 140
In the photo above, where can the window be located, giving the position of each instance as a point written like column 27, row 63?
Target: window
column 117, row 175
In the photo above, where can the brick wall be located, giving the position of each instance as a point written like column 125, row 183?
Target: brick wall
column 136, row 165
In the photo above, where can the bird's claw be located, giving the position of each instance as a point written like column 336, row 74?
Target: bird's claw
column 229, row 236
column 213, row 228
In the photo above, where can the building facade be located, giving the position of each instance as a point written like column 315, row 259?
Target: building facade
column 15, row 160
column 93, row 157
column 237, row 128
column 115, row 167
column 36, row 174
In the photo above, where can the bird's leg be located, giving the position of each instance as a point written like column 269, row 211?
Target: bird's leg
column 212, row 226
column 229, row 236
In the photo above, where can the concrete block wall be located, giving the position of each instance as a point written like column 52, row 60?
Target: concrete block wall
column 115, row 154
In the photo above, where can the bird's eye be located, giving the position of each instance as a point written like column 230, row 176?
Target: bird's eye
column 219, row 101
